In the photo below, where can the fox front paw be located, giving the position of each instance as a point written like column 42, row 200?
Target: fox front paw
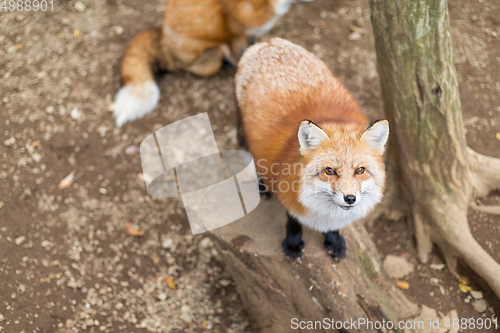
column 264, row 193
column 292, row 250
column 335, row 245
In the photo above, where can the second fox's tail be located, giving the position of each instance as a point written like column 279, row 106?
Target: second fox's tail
column 140, row 93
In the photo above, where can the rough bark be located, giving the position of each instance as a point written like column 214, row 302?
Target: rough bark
column 274, row 289
column 427, row 150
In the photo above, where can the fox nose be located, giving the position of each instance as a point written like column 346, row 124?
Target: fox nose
column 350, row 199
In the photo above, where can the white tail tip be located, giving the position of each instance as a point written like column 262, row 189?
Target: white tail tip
column 134, row 101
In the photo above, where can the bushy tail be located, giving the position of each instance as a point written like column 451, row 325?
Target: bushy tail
column 139, row 94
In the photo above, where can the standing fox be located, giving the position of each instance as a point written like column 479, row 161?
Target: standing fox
column 197, row 35
column 313, row 146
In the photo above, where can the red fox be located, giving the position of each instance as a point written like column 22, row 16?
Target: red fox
column 314, row 148
column 197, row 35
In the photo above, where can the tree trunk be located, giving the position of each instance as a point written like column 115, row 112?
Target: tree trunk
column 427, row 150
column 275, row 290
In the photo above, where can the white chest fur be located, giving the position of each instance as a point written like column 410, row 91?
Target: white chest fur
column 335, row 219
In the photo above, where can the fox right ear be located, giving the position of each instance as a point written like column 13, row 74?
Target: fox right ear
column 310, row 136
column 376, row 134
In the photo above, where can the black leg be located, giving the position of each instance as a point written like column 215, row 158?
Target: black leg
column 334, row 244
column 263, row 190
column 252, row 40
column 240, row 132
column 293, row 244
column 228, row 66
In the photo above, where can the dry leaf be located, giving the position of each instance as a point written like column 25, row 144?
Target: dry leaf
column 14, row 48
column 464, row 288
column 463, row 279
column 76, row 33
column 357, row 29
column 402, row 285
column 35, row 144
column 171, row 283
column 50, row 277
column 436, row 282
column 133, row 229
column 497, row 135
column 437, row 267
column 155, row 259
column 67, row 181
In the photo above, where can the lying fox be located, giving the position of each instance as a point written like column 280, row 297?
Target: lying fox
column 197, row 35
column 296, row 113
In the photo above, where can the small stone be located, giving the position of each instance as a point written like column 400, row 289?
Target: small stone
column 162, row 296
column 50, row 109
column 80, row 7
column 36, row 157
column 9, row 142
column 118, row 30
column 354, row 36
column 72, row 283
column 167, row 243
column 206, row 243
column 132, row 150
column 170, row 260
column 186, row 314
column 19, row 240
column 46, row 243
column 225, row 283
column 480, row 305
column 397, row 267
column 172, row 270
column 474, row 18
column 476, row 294
column 119, row 306
column 427, row 314
column 76, row 114
column 20, row 17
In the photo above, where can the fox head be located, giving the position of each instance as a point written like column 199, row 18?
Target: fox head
column 344, row 174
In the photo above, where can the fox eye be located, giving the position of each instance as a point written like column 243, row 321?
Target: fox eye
column 330, row 172
column 359, row 171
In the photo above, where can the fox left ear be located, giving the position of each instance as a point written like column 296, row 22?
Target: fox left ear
column 375, row 135
column 310, row 136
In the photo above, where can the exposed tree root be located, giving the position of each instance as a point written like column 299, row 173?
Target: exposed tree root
column 485, row 173
column 478, row 259
column 494, row 210
column 422, row 235
column 452, row 234
column 434, row 224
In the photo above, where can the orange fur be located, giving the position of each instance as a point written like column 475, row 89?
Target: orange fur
column 280, row 84
column 197, row 36
column 194, row 36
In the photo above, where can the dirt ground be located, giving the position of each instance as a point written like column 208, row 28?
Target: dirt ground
column 66, row 262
